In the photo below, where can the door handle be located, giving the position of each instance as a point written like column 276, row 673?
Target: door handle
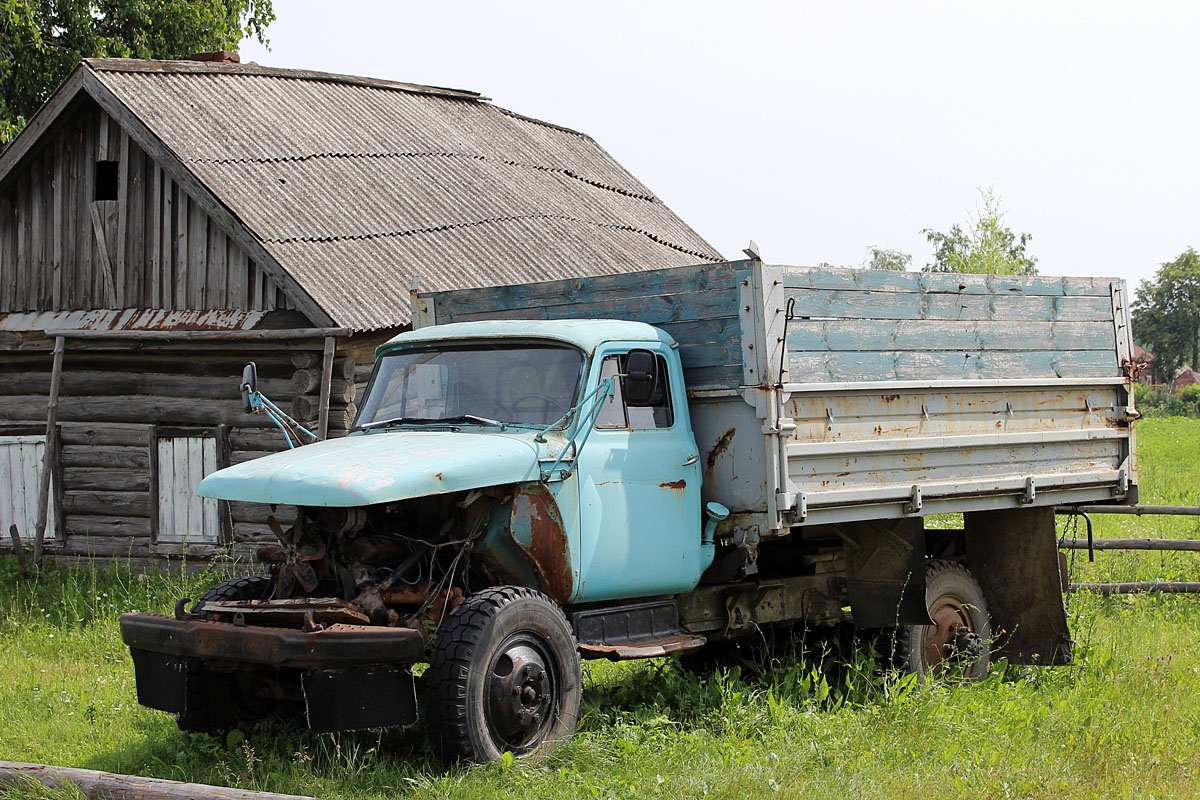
column 692, row 460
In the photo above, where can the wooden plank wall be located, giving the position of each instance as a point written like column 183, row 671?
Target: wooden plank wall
column 852, row 325
column 160, row 250
column 109, row 406
column 697, row 305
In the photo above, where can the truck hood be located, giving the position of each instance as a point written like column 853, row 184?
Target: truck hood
column 377, row 467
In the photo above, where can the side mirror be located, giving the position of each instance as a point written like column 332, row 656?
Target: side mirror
column 641, row 377
column 249, row 386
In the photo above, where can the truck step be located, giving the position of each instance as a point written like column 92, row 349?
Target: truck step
column 645, row 648
column 638, row 630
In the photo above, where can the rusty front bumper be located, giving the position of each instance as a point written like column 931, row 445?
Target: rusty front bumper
column 335, row 647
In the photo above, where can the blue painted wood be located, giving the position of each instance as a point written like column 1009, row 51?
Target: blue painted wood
column 889, row 335
column 819, row 367
column 853, row 304
column 462, row 305
column 954, row 283
column 881, row 467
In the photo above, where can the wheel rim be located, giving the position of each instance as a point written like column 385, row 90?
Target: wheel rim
column 952, row 638
column 522, row 685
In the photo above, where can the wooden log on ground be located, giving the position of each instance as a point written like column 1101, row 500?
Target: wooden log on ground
column 111, row 786
column 1132, row 544
column 1139, row 587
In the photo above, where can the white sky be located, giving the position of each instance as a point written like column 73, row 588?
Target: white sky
column 819, row 129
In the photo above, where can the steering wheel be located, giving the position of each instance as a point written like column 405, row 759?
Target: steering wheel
column 550, row 403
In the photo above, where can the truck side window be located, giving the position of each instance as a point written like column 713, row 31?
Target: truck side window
column 616, row 413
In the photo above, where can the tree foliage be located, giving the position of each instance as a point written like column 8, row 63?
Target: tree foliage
column 41, row 41
column 1166, row 314
column 892, row 260
column 986, row 246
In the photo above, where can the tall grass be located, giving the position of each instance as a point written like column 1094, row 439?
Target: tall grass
column 809, row 716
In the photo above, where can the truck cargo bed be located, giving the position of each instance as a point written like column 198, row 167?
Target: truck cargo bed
column 827, row 395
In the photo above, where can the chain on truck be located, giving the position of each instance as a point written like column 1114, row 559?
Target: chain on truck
column 656, row 463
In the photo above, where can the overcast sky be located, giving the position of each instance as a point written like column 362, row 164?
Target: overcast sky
column 820, row 129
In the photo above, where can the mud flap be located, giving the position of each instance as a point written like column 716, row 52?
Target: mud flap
column 1014, row 557
column 351, row 699
column 885, row 579
column 161, row 680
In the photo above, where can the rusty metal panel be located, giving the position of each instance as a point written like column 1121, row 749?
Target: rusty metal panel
column 132, row 319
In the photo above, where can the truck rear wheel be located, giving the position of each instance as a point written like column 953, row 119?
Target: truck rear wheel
column 960, row 638
column 503, row 676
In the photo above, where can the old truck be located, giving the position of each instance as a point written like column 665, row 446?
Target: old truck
column 643, row 464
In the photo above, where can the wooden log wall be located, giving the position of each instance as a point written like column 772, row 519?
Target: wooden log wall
column 110, row 405
column 149, row 247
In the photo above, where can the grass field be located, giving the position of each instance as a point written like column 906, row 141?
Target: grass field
column 1122, row 722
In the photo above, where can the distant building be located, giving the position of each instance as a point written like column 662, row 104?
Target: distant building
column 1149, row 375
column 1186, row 377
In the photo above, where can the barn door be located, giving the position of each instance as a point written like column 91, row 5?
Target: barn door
column 20, row 479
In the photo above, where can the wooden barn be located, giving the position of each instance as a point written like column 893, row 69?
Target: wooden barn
column 163, row 223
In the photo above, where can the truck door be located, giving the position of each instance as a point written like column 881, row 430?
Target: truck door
column 639, row 486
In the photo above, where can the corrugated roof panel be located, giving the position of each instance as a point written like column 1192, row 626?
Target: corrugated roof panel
column 355, row 189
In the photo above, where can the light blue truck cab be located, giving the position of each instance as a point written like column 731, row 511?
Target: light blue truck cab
column 606, row 491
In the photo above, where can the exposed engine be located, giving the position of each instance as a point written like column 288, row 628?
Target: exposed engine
column 400, row 564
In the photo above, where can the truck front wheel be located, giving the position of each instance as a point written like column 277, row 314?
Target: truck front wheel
column 503, row 676
column 959, row 641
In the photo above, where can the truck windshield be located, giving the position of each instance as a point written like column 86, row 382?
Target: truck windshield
column 486, row 383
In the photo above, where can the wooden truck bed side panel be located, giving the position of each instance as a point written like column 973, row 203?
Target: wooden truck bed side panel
column 913, row 393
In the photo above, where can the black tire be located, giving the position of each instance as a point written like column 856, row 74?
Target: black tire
column 218, row 701
column 247, row 587
column 503, row 676
column 961, row 641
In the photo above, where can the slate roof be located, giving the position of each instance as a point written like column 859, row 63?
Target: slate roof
column 356, row 186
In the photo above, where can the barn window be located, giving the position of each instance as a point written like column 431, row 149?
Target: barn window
column 20, row 481
column 106, row 179
column 180, row 461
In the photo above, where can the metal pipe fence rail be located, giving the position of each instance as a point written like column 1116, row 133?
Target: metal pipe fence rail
column 1092, row 544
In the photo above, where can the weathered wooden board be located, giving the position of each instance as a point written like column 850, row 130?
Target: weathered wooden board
column 942, row 282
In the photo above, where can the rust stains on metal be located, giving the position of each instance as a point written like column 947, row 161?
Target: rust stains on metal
column 888, row 398
column 678, row 485
column 719, row 448
column 537, row 529
column 132, row 320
